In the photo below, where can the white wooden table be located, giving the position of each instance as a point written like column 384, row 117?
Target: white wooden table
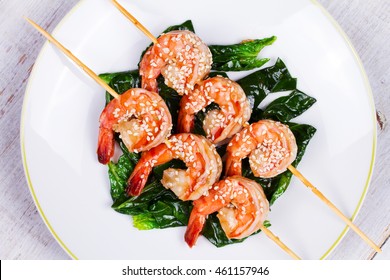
column 23, row 235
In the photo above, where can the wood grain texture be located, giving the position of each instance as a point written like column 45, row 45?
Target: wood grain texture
column 23, row 233
column 367, row 24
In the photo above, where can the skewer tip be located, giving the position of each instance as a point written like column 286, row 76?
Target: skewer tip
column 135, row 21
column 28, row 20
column 334, row 208
column 34, row 24
column 277, row 240
column 68, row 53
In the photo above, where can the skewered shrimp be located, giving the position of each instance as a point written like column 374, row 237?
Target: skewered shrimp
column 241, row 204
column 181, row 57
column 204, row 166
column 141, row 117
column 218, row 124
column 270, row 145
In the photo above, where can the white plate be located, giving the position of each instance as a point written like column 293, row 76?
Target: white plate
column 62, row 106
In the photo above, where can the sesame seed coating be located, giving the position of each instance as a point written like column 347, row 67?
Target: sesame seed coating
column 234, row 108
column 204, row 165
column 181, row 57
column 141, row 117
column 270, row 146
column 241, row 205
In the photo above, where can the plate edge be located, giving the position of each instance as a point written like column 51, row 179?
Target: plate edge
column 22, row 130
column 370, row 96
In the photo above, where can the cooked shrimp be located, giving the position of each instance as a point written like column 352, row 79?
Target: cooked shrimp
column 204, row 166
column 181, row 57
column 241, row 204
column 220, row 124
column 141, row 117
column 270, row 145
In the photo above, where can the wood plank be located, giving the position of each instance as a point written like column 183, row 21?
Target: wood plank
column 366, row 23
column 23, row 232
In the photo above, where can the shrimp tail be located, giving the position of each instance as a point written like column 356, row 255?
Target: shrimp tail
column 106, row 144
column 149, row 84
column 232, row 167
column 137, row 180
column 194, row 228
column 186, row 122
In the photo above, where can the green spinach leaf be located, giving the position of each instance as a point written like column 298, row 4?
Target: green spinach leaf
column 155, row 207
column 118, row 174
column 121, row 82
column 264, row 81
column 288, row 107
column 239, row 57
column 187, row 25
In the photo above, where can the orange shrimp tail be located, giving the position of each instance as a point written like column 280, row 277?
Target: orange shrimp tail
column 106, row 144
column 194, row 228
column 185, row 123
column 149, row 84
column 137, row 180
column 217, row 132
column 155, row 156
column 232, row 167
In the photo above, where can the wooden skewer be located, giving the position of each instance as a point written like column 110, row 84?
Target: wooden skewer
column 135, row 21
column 74, row 58
column 334, row 208
column 279, row 242
column 166, row 141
